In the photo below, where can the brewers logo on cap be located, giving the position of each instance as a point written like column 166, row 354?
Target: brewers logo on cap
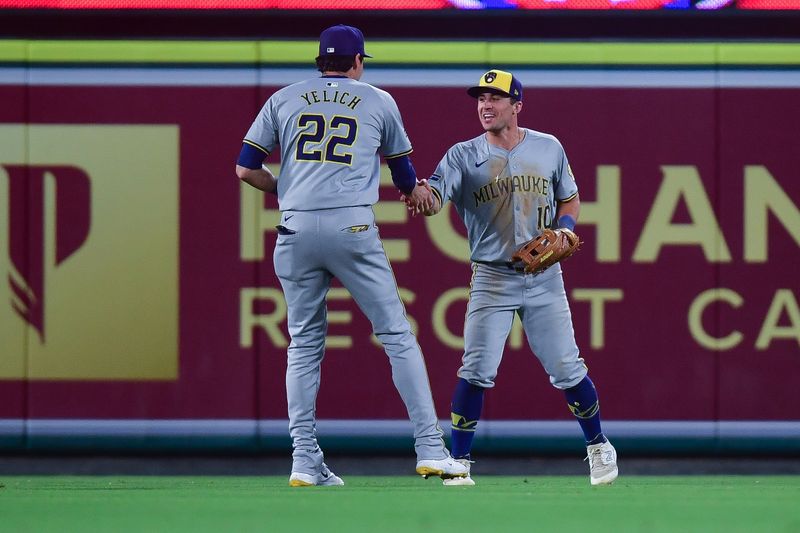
column 500, row 82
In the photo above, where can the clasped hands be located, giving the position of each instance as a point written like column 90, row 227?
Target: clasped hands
column 420, row 200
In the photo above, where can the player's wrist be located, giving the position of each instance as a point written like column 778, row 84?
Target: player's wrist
column 566, row 221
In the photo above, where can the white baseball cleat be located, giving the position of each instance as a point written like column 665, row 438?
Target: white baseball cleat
column 324, row 478
column 602, row 463
column 465, row 481
column 446, row 468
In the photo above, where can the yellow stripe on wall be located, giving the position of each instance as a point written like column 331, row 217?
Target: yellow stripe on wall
column 390, row 53
column 537, row 53
column 759, row 53
column 13, row 51
column 143, row 51
column 418, row 52
column 288, row 52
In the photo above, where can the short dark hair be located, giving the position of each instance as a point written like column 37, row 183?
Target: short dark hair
column 335, row 63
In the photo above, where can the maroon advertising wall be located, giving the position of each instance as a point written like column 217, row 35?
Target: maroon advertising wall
column 684, row 294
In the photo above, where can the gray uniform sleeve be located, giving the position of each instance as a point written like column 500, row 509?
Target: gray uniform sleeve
column 394, row 139
column 263, row 133
column 446, row 179
column 566, row 188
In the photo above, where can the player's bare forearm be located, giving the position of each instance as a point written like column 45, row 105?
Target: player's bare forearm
column 260, row 178
column 568, row 210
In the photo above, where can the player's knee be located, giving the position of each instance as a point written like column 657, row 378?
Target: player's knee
column 398, row 340
column 476, row 379
column 565, row 377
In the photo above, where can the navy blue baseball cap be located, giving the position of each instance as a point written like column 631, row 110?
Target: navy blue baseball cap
column 500, row 82
column 342, row 40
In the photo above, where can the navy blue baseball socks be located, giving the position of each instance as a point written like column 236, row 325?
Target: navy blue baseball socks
column 582, row 401
column 465, row 413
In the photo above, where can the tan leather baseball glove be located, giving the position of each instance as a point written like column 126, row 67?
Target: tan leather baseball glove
column 552, row 246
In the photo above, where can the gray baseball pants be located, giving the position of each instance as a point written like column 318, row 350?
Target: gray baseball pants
column 314, row 247
column 496, row 294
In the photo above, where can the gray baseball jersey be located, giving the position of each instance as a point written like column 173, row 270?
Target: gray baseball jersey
column 504, row 198
column 335, row 120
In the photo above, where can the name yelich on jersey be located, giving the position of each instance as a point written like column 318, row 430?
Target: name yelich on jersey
column 344, row 98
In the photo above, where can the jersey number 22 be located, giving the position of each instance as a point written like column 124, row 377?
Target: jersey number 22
column 315, row 130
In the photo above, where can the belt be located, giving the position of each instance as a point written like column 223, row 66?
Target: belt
column 502, row 264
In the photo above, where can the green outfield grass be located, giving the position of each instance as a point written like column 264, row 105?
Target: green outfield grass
column 407, row 503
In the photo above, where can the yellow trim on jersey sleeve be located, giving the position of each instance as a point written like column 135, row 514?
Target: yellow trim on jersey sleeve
column 568, row 199
column 395, row 156
column 254, row 145
column 437, row 193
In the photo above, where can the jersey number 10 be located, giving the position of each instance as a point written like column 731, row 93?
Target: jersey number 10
column 315, row 130
column 545, row 217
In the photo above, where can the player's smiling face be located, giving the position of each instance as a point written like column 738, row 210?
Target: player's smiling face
column 496, row 112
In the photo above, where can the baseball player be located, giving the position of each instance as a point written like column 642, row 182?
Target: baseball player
column 330, row 130
column 508, row 185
